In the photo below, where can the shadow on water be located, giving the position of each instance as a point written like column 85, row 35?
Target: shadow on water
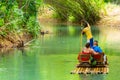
column 92, row 76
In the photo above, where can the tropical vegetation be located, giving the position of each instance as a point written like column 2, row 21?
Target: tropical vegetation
column 18, row 16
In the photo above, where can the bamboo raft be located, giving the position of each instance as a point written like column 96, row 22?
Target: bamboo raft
column 85, row 67
column 91, row 70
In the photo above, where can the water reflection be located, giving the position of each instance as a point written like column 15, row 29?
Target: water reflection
column 92, row 76
column 5, row 51
column 22, row 49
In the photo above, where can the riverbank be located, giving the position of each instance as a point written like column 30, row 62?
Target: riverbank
column 14, row 40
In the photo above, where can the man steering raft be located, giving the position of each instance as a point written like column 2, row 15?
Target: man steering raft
column 87, row 30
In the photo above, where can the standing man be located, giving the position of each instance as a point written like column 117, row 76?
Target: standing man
column 87, row 30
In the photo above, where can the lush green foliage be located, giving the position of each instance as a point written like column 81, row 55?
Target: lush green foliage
column 76, row 10
column 19, row 15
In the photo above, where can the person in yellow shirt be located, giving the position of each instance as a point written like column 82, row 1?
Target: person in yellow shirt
column 87, row 30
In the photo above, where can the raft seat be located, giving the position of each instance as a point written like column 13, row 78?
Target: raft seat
column 99, row 58
column 85, row 57
column 82, row 57
column 84, row 60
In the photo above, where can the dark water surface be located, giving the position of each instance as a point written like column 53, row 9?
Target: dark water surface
column 53, row 56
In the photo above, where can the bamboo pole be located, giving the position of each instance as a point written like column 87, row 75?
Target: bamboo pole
column 81, row 41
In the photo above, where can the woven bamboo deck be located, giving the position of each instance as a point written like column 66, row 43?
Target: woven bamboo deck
column 91, row 70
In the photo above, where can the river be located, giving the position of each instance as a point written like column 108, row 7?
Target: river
column 53, row 56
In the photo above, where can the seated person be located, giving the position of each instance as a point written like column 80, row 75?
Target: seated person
column 97, row 49
column 87, row 50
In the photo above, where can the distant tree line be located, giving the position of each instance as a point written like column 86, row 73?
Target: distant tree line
column 76, row 10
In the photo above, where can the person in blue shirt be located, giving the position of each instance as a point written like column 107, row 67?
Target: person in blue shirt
column 96, row 48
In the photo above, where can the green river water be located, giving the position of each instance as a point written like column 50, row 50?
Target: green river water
column 54, row 55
